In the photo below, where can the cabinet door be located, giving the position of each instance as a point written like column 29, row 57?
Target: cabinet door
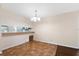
column 30, row 38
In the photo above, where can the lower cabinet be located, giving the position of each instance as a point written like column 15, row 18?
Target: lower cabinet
column 30, row 38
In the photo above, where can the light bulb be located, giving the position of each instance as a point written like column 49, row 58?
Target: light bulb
column 38, row 19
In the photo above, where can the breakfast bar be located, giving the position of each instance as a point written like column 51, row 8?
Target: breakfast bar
column 11, row 39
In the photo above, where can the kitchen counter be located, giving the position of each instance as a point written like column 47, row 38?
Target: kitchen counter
column 15, row 33
column 11, row 39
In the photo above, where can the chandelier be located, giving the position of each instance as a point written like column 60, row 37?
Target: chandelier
column 35, row 18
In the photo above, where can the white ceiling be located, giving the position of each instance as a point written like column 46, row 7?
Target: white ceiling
column 44, row 9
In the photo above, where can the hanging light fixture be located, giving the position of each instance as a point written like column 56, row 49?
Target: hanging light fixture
column 35, row 18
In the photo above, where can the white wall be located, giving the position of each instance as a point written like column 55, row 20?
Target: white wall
column 59, row 29
column 11, row 19
column 78, row 28
column 11, row 41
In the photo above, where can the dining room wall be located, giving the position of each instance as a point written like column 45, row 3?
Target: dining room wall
column 60, row 29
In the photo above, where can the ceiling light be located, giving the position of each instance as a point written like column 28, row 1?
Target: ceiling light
column 35, row 18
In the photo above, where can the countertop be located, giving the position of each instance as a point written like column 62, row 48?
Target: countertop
column 15, row 33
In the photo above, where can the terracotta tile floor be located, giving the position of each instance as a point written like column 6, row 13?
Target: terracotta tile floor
column 33, row 48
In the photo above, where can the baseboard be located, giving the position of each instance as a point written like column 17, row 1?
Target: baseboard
column 73, row 47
